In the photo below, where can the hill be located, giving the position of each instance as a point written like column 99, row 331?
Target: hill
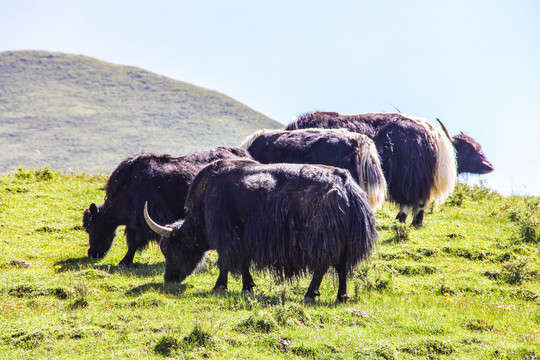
column 75, row 113
column 464, row 286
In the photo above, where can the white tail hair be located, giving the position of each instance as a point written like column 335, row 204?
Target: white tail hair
column 248, row 140
column 369, row 171
column 445, row 176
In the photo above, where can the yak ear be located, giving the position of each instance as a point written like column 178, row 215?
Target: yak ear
column 93, row 209
column 177, row 228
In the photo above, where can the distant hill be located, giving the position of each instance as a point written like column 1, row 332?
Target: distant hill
column 75, row 113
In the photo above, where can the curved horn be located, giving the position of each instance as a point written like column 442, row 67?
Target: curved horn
column 444, row 129
column 158, row 229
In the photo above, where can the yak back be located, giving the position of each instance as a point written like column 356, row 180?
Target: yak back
column 289, row 218
column 311, row 146
column 162, row 180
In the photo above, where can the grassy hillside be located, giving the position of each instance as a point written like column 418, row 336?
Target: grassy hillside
column 465, row 286
column 75, row 113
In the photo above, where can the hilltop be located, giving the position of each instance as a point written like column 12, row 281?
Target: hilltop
column 76, row 113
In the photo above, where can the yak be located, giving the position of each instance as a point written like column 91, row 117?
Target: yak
column 334, row 147
column 418, row 158
column 288, row 218
column 163, row 180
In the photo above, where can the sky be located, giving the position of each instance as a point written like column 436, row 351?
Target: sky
column 474, row 64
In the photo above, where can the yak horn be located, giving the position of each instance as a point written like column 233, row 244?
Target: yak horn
column 158, row 229
column 445, row 131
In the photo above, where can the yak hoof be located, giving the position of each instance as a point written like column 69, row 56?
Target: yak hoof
column 401, row 217
column 342, row 299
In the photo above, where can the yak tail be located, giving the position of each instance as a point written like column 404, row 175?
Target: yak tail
column 248, row 140
column 369, row 172
column 445, row 176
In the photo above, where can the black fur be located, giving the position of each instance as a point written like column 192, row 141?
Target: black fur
column 470, row 157
column 162, row 180
column 288, row 218
column 310, row 146
column 338, row 148
column 408, row 154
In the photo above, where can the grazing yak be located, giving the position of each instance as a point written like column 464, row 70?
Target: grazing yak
column 162, row 180
column 288, row 218
column 418, row 158
column 334, row 147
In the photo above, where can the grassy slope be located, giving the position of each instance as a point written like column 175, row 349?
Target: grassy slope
column 464, row 286
column 75, row 113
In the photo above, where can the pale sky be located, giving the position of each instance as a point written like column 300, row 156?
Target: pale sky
column 473, row 64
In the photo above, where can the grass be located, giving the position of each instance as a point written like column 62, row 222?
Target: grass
column 75, row 113
column 466, row 285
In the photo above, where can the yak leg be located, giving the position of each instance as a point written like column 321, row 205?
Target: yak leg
column 342, row 294
column 419, row 214
column 404, row 211
column 247, row 281
column 131, row 239
column 313, row 290
column 221, row 282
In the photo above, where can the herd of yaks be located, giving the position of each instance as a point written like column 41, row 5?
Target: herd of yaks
column 293, row 201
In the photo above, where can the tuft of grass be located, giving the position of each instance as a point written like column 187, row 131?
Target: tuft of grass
column 478, row 325
column 28, row 341
column 527, row 217
column 291, row 315
column 166, row 345
column 401, row 232
column 198, row 338
column 79, row 303
column 515, row 272
column 259, row 322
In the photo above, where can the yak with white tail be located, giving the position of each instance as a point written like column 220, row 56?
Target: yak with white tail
column 334, row 147
column 418, row 158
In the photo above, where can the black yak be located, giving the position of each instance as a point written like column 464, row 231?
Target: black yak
column 289, row 218
column 162, row 180
column 334, row 147
column 418, row 158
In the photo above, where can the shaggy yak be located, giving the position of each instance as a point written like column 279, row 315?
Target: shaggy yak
column 162, row 180
column 334, row 147
column 418, row 159
column 289, row 218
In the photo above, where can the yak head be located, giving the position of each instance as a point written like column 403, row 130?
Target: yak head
column 100, row 229
column 181, row 255
column 470, row 157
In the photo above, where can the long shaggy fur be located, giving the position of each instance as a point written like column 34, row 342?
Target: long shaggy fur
column 288, row 218
column 162, row 180
column 418, row 160
column 445, row 177
column 334, row 147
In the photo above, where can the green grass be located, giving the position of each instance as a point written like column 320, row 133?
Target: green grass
column 77, row 114
column 465, row 286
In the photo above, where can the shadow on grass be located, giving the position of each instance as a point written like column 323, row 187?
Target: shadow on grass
column 83, row 263
column 170, row 289
column 74, row 264
column 241, row 300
